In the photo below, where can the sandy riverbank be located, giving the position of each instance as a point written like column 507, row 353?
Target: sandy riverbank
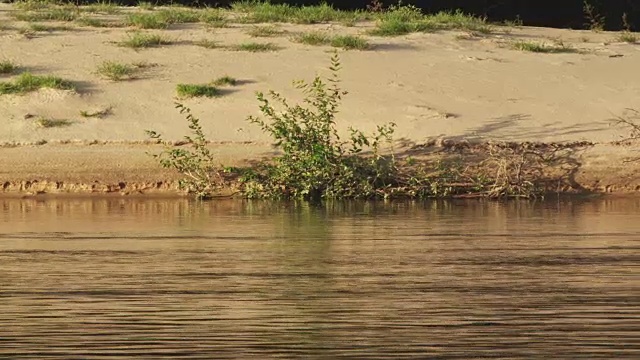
column 436, row 86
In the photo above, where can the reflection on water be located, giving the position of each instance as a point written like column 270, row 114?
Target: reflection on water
column 118, row 279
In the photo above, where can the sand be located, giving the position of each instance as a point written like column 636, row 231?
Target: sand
column 434, row 86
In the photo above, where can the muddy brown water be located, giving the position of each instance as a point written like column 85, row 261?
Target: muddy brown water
column 153, row 279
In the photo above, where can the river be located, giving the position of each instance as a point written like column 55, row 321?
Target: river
column 116, row 278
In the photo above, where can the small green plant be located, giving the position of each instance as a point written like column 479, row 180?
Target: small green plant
column 27, row 82
column 265, row 31
column 138, row 40
column 254, row 47
column 197, row 90
column 595, row 21
column 538, row 47
column 225, row 80
column 52, row 123
column 116, row 71
column 208, row 44
column 202, row 176
column 8, row 67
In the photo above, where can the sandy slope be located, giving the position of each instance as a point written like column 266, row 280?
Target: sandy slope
column 432, row 86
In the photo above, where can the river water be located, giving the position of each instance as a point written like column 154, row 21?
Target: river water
column 153, row 279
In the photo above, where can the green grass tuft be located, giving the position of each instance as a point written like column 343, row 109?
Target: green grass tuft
column 116, row 71
column 340, row 41
column 52, row 123
column 401, row 20
column 208, row 44
column 48, row 28
column 225, row 80
column 28, row 82
column 254, row 47
column 197, row 90
column 350, row 42
column 8, row 67
column 163, row 18
column 538, row 47
column 147, row 21
column 214, row 18
column 139, row 40
column 99, row 23
column 628, row 37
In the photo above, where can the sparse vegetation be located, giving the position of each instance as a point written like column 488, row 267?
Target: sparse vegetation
column 208, row 44
column 163, row 18
column 339, row 41
column 52, row 123
column 629, row 37
column 98, row 23
column 254, row 47
column 48, row 28
column 147, row 21
column 265, row 12
column 137, row 40
column 7, row 67
column 316, row 162
column 265, row 31
column 116, row 71
column 56, row 13
column 630, row 119
column 539, row 47
column 401, row 20
column 225, row 80
column 196, row 90
column 214, row 18
column 27, row 82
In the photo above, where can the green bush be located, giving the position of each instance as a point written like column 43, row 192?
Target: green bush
column 316, row 163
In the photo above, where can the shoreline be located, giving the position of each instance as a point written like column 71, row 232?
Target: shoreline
column 127, row 170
